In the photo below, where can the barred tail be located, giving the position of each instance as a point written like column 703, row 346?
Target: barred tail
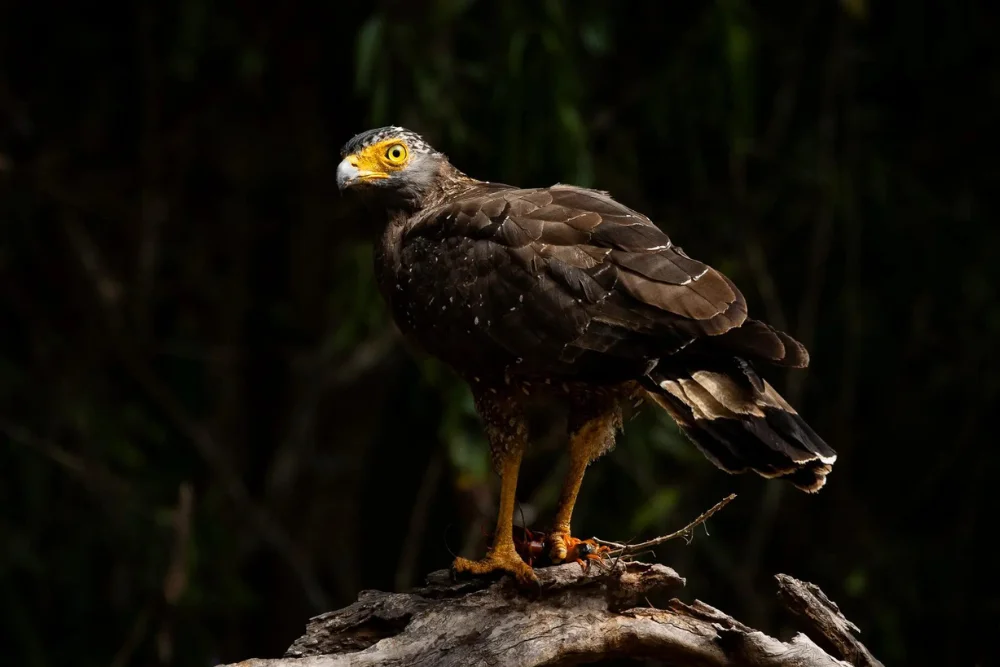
column 741, row 423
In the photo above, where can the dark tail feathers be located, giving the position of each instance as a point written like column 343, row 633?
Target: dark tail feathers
column 741, row 423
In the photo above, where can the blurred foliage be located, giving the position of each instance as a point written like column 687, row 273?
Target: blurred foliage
column 209, row 430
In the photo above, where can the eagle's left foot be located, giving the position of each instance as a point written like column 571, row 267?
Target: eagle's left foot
column 502, row 559
column 564, row 547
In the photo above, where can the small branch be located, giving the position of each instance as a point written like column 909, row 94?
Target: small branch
column 572, row 617
column 620, row 550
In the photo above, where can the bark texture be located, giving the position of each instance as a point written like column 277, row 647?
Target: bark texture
column 572, row 617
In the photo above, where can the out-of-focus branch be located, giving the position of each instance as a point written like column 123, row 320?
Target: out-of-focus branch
column 91, row 473
column 138, row 367
column 328, row 374
column 175, row 580
column 827, row 172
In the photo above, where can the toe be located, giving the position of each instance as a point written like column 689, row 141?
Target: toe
column 497, row 562
column 558, row 549
column 462, row 565
column 526, row 576
column 525, row 573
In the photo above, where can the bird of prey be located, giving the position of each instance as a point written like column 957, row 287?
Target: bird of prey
column 562, row 294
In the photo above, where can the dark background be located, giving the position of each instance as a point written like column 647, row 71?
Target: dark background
column 209, row 431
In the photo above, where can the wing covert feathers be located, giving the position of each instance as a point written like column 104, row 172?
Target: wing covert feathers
column 575, row 285
column 614, row 264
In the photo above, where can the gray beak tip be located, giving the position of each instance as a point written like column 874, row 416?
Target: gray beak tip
column 346, row 174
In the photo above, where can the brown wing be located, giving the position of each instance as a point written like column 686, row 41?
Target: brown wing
column 574, row 282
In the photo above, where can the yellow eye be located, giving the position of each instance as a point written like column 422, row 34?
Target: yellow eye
column 396, row 153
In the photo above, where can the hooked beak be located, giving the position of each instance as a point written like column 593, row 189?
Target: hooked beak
column 348, row 174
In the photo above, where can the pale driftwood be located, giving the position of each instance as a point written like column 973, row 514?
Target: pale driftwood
column 573, row 617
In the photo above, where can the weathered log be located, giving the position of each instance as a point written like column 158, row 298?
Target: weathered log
column 572, row 617
column 820, row 615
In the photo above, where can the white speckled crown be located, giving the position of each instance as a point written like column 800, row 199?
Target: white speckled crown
column 415, row 142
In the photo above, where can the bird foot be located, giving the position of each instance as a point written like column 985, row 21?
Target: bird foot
column 498, row 560
column 563, row 547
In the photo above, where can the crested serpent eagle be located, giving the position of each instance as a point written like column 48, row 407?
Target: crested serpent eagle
column 565, row 295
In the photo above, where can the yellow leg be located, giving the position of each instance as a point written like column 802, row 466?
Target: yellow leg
column 571, row 488
column 564, row 511
column 502, row 555
column 585, row 445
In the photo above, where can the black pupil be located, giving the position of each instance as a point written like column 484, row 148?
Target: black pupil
column 395, row 153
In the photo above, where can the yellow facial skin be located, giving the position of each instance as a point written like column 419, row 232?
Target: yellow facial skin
column 380, row 160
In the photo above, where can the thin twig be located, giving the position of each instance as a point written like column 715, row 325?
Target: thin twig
column 618, row 549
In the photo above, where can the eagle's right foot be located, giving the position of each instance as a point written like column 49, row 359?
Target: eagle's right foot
column 502, row 560
column 563, row 547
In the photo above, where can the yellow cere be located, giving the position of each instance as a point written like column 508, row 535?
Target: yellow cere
column 378, row 160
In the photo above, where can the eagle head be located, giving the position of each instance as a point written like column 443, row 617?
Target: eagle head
column 393, row 164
